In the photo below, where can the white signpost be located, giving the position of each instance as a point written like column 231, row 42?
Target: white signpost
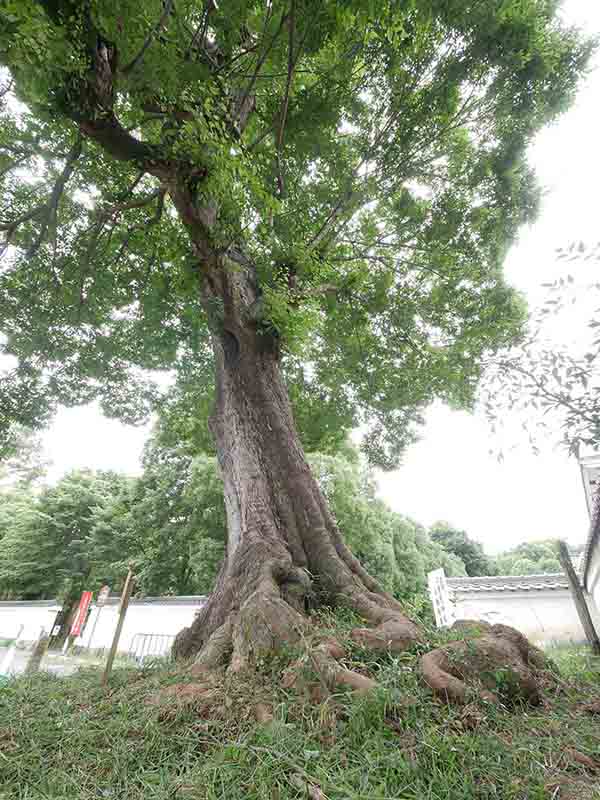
column 102, row 596
column 8, row 658
column 440, row 598
column 100, row 603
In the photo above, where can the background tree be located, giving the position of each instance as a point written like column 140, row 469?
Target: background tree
column 17, row 517
column 259, row 181
column 170, row 522
column 47, row 548
column 396, row 550
column 530, row 558
column 468, row 550
column 24, row 462
column 177, row 520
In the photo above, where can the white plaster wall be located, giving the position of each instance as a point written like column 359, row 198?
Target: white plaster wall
column 544, row 617
column 32, row 615
column 156, row 617
column 160, row 616
column 593, row 584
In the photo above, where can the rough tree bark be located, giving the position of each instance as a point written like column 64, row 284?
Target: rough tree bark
column 284, row 550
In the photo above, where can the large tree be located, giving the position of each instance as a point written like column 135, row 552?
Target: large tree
column 326, row 188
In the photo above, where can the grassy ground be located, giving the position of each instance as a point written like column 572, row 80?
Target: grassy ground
column 69, row 738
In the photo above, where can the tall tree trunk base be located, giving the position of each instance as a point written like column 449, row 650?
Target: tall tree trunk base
column 273, row 616
column 285, row 553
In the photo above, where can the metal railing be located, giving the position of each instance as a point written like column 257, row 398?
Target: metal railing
column 150, row 645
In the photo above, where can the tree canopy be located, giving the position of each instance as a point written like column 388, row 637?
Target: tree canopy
column 367, row 158
column 23, row 462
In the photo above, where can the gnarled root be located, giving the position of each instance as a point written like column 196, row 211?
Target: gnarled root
column 393, row 631
column 394, row 635
column 501, row 665
column 264, row 623
column 323, row 661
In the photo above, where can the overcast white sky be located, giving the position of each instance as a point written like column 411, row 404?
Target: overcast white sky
column 449, row 474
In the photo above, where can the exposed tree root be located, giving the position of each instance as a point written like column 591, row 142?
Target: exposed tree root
column 394, row 635
column 322, row 662
column 271, row 617
column 502, row 665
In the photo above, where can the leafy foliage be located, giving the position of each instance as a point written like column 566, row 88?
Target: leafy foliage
column 468, row 550
column 47, row 547
column 24, row 462
column 530, row 558
column 394, row 548
column 170, row 524
column 553, row 384
column 366, row 159
column 173, row 530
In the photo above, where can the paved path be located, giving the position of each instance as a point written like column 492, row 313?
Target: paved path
column 52, row 663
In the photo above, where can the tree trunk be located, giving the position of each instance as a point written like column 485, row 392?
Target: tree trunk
column 284, row 551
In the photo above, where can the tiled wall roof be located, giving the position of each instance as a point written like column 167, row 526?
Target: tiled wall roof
column 509, row 583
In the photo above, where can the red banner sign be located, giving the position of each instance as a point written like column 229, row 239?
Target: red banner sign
column 81, row 615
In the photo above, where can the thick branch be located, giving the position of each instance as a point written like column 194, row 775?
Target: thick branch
column 263, row 57
column 286, row 98
column 48, row 210
column 114, row 139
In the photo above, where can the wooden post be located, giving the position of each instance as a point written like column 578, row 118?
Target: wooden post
column 123, row 606
column 39, row 651
column 579, row 598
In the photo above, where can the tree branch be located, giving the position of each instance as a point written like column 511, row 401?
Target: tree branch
column 49, row 209
column 263, row 57
column 167, row 8
column 286, row 97
column 14, row 164
column 112, row 137
column 200, row 33
column 138, row 202
column 55, row 197
column 559, row 399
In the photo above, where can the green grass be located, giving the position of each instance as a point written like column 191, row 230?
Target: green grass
column 69, row 738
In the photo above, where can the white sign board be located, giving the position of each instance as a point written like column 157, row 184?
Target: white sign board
column 440, row 598
column 590, row 473
column 102, row 596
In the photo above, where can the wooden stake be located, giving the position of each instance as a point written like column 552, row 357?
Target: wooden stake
column 39, row 651
column 123, row 606
column 579, row 598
